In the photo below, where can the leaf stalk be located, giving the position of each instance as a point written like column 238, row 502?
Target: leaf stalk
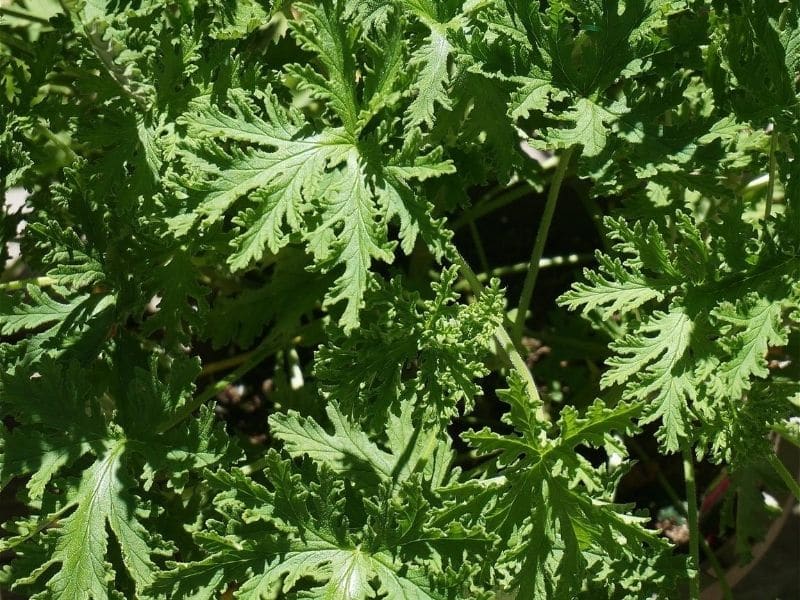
column 692, row 518
column 538, row 246
column 17, row 13
column 773, row 168
column 784, row 474
column 21, row 284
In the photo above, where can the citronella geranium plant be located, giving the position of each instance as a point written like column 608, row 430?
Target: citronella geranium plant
column 219, row 187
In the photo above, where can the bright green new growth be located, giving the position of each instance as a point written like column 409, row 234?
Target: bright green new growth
column 338, row 188
column 227, row 191
column 713, row 336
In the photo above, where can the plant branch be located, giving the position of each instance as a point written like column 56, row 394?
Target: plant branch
column 225, row 364
column 722, row 578
column 545, row 263
column 538, row 246
column 23, row 14
column 254, row 467
column 773, row 167
column 16, row 42
column 476, row 239
column 492, row 204
column 43, row 129
column 20, row 284
column 784, row 474
column 692, row 517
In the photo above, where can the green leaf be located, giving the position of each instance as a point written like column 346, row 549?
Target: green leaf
column 319, row 185
column 40, row 455
column 662, row 375
column 76, row 325
column 611, row 289
column 43, row 309
column 346, row 450
column 281, row 176
column 757, row 326
column 431, row 84
column 349, row 451
column 350, row 234
column 592, row 122
column 64, row 426
column 534, row 94
column 75, row 265
column 301, row 544
column 549, row 504
column 244, row 17
column 322, row 31
column 83, row 543
column 431, row 349
column 249, row 204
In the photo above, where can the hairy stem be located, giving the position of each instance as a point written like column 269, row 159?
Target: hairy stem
column 784, row 474
column 538, row 246
column 21, row 284
column 692, row 517
column 224, row 364
column 773, row 167
column 16, row 43
column 592, row 208
column 254, row 467
column 479, row 248
column 44, row 130
column 545, row 263
column 708, row 552
column 23, row 14
column 492, row 204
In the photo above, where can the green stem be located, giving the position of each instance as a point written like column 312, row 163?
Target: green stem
column 22, row 14
column 579, row 344
column 255, row 466
column 491, row 205
column 271, row 344
column 21, row 284
column 773, row 167
column 784, row 474
column 51, row 88
column 504, row 340
column 722, row 579
column 224, row 364
column 538, row 246
column 45, row 131
column 476, row 239
column 596, row 214
column 545, row 263
column 692, row 518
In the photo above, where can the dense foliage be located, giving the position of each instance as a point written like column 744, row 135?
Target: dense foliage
column 216, row 186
